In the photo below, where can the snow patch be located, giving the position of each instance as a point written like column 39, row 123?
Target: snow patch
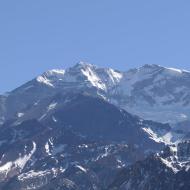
column 33, row 174
column 20, row 115
column 175, row 70
column 169, row 165
column 54, row 119
column 81, row 168
column 93, row 78
column 48, row 145
column 47, row 148
column 43, row 116
column 52, row 106
column 18, row 163
column 44, row 80
column 152, row 135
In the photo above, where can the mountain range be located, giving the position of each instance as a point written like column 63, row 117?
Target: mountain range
column 97, row 129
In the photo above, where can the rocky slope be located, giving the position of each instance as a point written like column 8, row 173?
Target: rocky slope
column 82, row 142
column 169, row 169
column 77, row 129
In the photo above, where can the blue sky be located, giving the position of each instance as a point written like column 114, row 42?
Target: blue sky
column 39, row 35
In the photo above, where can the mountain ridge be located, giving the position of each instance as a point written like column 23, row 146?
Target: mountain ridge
column 141, row 91
column 86, row 128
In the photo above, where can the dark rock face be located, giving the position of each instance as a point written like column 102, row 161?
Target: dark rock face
column 184, row 151
column 83, row 144
column 167, row 170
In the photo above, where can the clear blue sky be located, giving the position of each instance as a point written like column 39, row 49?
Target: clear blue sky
column 37, row 35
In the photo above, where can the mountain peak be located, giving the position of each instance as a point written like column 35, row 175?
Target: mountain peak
column 169, row 70
column 82, row 64
column 49, row 77
column 150, row 67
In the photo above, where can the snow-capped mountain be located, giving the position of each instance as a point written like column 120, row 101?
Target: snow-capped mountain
column 76, row 129
column 156, row 93
column 82, row 75
column 151, row 91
